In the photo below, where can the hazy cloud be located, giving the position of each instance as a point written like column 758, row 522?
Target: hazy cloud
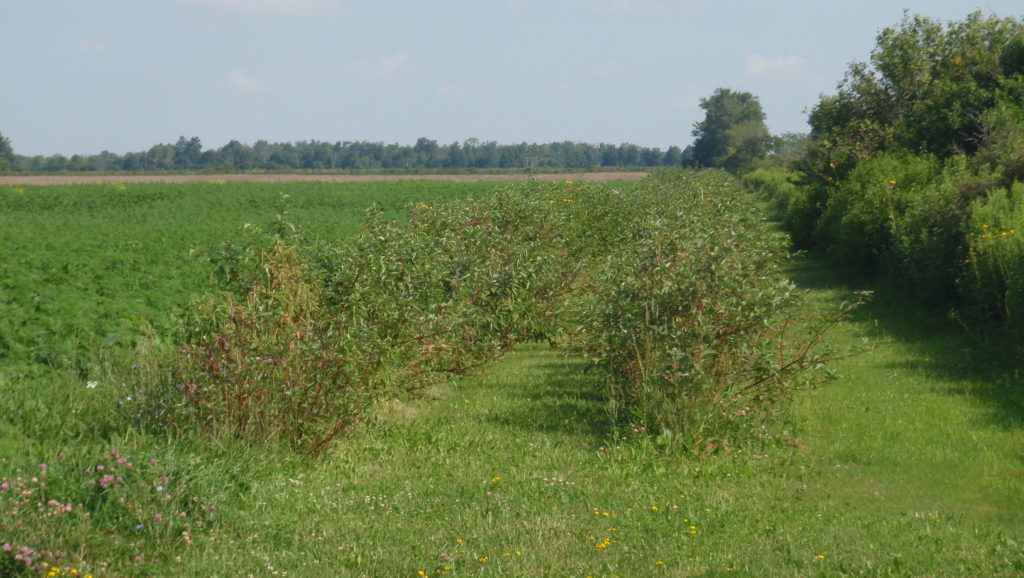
column 383, row 67
column 689, row 101
column 606, row 69
column 241, row 80
column 296, row 7
column 94, row 46
column 452, row 91
column 621, row 7
column 760, row 66
column 563, row 89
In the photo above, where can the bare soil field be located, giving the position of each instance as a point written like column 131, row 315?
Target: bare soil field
column 334, row 178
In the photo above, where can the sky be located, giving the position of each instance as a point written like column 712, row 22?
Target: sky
column 84, row 76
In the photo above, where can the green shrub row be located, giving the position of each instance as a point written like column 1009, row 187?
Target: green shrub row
column 672, row 287
column 693, row 320
column 946, row 230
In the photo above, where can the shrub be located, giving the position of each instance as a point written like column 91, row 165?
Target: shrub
column 775, row 185
column 692, row 320
column 994, row 280
column 857, row 222
column 275, row 366
column 672, row 288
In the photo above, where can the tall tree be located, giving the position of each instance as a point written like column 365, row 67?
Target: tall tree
column 6, row 153
column 927, row 88
column 733, row 134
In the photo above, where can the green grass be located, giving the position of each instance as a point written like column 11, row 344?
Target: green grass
column 909, row 464
column 896, row 471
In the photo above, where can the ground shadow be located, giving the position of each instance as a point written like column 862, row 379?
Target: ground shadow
column 985, row 367
column 562, row 397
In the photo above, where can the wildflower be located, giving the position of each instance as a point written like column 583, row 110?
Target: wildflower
column 892, row 182
column 495, row 479
column 91, row 384
column 821, row 556
column 483, row 559
column 158, row 517
column 659, row 563
column 654, row 508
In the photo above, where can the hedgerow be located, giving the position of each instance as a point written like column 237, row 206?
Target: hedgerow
column 672, row 288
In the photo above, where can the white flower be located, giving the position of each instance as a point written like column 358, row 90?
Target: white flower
column 92, row 384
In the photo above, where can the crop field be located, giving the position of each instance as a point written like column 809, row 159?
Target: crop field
column 415, row 378
column 93, row 265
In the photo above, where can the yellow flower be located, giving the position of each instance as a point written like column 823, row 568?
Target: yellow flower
column 495, row 479
column 821, row 556
column 654, row 508
column 892, row 182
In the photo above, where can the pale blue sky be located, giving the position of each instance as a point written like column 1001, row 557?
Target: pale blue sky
column 82, row 76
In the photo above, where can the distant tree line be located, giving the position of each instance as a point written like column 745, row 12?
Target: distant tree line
column 188, row 154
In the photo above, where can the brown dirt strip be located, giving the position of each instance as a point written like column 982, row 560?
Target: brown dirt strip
column 332, row 178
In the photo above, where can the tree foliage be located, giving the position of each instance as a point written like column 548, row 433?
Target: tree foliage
column 6, row 153
column 733, row 135
column 928, row 87
column 188, row 154
column 909, row 159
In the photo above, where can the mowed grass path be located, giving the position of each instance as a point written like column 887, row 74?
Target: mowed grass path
column 909, row 464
